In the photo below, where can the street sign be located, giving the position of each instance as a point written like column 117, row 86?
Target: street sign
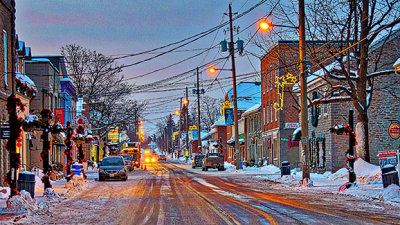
column 388, row 157
column 229, row 117
column 5, row 131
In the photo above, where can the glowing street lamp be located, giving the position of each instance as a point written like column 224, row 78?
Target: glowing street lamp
column 265, row 26
column 185, row 101
column 212, row 70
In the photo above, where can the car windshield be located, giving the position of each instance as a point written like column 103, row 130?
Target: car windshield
column 134, row 157
column 114, row 161
column 213, row 155
column 127, row 157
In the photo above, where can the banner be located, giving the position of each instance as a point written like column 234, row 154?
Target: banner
column 59, row 115
column 229, row 117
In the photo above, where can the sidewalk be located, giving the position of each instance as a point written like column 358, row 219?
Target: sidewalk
column 42, row 203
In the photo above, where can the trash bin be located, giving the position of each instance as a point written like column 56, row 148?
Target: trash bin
column 26, row 181
column 389, row 175
column 76, row 169
column 285, row 168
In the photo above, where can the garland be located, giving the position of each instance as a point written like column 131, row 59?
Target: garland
column 47, row 115
column 68, row 152
column 13, row 103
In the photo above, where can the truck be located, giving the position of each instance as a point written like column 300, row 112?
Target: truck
column 133, row 149
column 213, row 160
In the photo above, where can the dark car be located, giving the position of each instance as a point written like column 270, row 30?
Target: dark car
column 112, row 167
column 128, row 161
column 213, row 160
column 162, row 157
column 197, row 161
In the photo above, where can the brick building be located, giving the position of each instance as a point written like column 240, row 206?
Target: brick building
column 253, row 135
column 278, row 125
column 7, row 54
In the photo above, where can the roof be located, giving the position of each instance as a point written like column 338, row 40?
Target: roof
column 397, row 63
column 25, row 80
column 254, row 108
column 21, row 46
column 248, row 94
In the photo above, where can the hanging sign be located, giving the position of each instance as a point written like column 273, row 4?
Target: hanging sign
column 229, row 117
column 394, row 130
column 194, row 127
column 5, row 131
column 59, row 115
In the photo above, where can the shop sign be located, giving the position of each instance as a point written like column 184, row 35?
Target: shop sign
column 291, row 125
column 113, row 135
column 394, row 130
column 388, row 157
column 5, row 131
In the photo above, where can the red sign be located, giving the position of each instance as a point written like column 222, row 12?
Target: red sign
column 394, row 130
column 387, row 153
column 59, row 115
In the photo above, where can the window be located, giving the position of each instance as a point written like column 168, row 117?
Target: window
column 267, row 115
column 272, row 75
column 5, row 57
column 276, row 114
column 263, row 79
column 264, row 114
column 266, row 82
column 272, row 108
column 276, row 73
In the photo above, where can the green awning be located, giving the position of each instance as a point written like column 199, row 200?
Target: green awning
column 297, row 134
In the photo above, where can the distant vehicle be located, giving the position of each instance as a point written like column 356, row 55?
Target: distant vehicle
column 162, row 157
column 197, row 161
column 213, row 160
column 132, row 148
column 129, row 162
column 150, row 157
column 112, row 167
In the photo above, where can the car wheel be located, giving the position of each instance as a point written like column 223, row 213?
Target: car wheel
column 124, row 179
column 206, row 169
column 101, row 179
column 203, row 169
column 193, row 167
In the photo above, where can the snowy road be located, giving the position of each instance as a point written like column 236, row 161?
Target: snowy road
column 168, row 194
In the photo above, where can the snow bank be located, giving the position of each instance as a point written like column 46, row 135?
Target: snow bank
column 391, row 194
column 365, row 172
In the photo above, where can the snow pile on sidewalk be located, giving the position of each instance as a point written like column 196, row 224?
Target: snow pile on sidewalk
column 365, row 172
column 23, row 202
column 76, row 184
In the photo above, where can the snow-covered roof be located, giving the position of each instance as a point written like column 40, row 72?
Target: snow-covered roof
column 67, row 79
column 248, row 94
column 254, row 108
column 397, row 63
column 38, row 60
column 21, row 46
column 24, row 79
column 27, row 51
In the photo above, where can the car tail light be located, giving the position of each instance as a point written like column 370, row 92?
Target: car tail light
column 136, row 162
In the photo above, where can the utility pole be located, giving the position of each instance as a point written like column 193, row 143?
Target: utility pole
column 199, row 145
column 234, row 98
column 186, row 121
column 303, row 84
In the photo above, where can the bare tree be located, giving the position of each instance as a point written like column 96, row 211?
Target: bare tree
column 99, row 78
column 209, row 112
column 359, row 24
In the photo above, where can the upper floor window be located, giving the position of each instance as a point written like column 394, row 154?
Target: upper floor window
column 267, row 119
column 276, row 114
column 264, row 114
column 5, row 57
column 272, row 108
column 272, row 75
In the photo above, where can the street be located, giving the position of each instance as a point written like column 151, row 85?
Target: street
column 168, row 194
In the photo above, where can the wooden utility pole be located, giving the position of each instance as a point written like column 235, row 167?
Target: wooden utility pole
column 186, row 122
column 199, row 145
column 303, row 84
column 234, row 98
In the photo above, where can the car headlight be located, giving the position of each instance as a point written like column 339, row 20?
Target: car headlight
column 136, row 162
column 153, row 159
column 147, row 160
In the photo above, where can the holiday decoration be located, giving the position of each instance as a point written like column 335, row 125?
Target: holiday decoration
column 288, row 79
column 68, row 152
column 13, row 105
column 46, row 116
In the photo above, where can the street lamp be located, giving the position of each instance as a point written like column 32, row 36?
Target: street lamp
column 177, row 112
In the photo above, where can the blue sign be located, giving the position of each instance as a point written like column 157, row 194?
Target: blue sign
column 229, row 117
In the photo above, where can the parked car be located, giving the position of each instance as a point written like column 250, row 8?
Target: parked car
column 213, row 160
column 128, row 161
column 112, row 167
column 197, row 161
column 162, row 157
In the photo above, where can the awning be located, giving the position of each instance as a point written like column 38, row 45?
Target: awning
column 297, row 134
